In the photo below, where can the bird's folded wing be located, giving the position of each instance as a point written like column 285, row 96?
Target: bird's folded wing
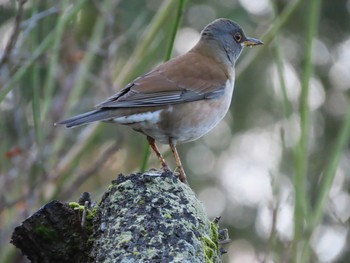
column 178, row 81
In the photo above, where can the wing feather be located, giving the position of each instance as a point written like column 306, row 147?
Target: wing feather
column 180, row 80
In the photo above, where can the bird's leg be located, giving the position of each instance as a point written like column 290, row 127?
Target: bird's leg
column 152, row 143
column 182, row 175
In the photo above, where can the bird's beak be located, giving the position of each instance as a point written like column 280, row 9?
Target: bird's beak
column 249, row 42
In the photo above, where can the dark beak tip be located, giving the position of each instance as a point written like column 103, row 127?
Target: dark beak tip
column 253, row 42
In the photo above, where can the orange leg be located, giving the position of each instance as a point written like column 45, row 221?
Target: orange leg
column 152, row 143
column 182, row 175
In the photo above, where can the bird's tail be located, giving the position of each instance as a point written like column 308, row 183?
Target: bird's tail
column 85, row 118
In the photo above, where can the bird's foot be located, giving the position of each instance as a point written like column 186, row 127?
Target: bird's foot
column 181, row 174
column 166, row 168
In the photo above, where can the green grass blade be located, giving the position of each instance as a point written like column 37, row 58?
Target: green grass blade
column 300, row 180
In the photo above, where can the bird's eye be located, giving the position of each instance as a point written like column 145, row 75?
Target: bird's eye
column 238, row 37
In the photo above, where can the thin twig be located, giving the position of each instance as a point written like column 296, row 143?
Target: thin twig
column 13, row 39
column 33, row 21
column 83, row 218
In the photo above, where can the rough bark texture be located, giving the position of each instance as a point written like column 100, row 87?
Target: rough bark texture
column 52, row 234
column 149, row 217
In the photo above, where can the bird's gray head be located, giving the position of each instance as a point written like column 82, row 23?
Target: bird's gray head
column 229, row 37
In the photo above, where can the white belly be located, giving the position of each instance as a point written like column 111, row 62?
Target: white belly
column 183, row 122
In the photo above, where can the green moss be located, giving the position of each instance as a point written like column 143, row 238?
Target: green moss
column 211, row 244
column 214, row 234
column 76, row 206
column 46, row 232
column 136, row 253
column 168, row 216
column 110, row 187
column 90, row 214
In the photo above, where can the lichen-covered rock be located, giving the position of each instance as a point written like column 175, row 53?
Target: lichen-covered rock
column 152, row 217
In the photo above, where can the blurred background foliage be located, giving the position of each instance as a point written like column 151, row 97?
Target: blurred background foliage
column 276, row 169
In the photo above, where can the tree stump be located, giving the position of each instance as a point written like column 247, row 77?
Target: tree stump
column 143, row 217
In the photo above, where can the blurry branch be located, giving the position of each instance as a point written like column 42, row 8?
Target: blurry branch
column 27, row 185
column 4, row 204
column 179, row 15
column 273, row 232
column 9, row 85
column 82, row 142
column 13, row 39
column 269, row 35
column 32, row 22
column 287, row 105
column 301, row 208
column 84, row 176
column 26, row 195
column 79, row 180
column 44, row 45
column 278, row 57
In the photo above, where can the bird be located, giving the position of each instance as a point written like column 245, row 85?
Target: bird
column 182, row 99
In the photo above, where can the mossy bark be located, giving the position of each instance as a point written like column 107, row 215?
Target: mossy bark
column 53, row 234
column 149, row 217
